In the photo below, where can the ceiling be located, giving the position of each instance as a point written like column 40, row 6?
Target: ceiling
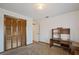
column 51, row 9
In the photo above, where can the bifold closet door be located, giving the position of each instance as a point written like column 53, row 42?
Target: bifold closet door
column 14, row 33
column 21, row 32
column 7, row 33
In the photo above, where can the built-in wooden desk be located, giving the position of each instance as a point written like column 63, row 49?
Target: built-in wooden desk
column 60, row 36
column 75, row 48
column 60, row 42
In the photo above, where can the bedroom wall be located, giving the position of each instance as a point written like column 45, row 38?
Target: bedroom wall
column 29, row 26
column 67, row 20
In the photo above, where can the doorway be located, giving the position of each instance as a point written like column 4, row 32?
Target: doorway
column 36, row 32
column 14, row 32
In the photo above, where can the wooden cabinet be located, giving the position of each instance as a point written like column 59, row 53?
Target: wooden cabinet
column 15, row 32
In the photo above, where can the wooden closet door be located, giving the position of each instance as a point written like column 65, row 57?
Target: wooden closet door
column 7, row 33
column 23, row 32
column 14, row 32
column 19, row 33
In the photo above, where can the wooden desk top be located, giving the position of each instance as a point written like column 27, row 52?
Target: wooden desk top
column 75, row 44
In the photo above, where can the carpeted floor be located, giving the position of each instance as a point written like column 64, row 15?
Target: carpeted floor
column 36, row 49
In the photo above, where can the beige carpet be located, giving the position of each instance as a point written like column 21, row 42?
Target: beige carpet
column 36, row 49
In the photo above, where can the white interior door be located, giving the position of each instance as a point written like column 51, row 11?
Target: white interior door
column 36, row 32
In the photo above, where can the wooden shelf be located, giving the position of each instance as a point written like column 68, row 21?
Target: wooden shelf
column 59, row 39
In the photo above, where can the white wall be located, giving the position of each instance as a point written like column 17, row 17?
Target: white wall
column 29, row 32
column 68, row 20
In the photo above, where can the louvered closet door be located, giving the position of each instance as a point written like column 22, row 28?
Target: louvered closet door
column 19, row 34
column 7, row 33
column 14, row 33
column 23, row 32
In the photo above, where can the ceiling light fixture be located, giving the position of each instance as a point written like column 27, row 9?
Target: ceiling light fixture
column 40, row 6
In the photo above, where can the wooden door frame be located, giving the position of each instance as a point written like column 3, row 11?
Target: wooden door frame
column 25, row 33
column 4, row 35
